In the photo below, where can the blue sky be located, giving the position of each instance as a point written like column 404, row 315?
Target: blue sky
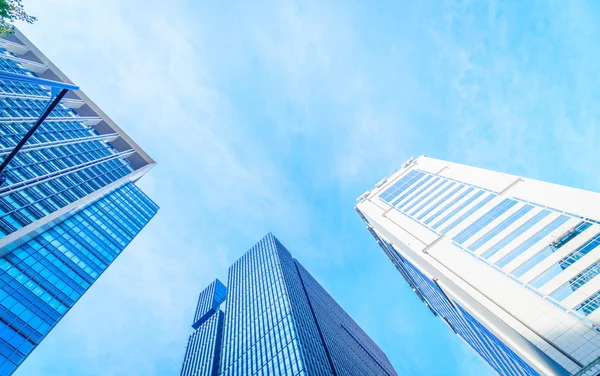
column 276, row 115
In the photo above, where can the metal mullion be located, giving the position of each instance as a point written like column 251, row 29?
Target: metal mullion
column 15, row 119
column 44, row 132
column 73, row 141
column 64, row 172
column 55, row 159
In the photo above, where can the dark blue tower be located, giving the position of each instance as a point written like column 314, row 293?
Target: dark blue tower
column 277, row 320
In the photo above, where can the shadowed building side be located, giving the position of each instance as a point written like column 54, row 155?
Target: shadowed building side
column 277, row 322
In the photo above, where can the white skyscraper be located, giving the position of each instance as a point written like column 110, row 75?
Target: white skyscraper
column 511, row 264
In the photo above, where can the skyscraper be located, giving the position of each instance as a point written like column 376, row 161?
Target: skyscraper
column 277, row 320
column 69, row 204
column 511, row 264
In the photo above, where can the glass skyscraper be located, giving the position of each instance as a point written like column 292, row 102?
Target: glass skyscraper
column 510, row 264
column 69, row 205
column 276, row 320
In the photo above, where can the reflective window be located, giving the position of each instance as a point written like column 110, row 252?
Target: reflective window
column 459, row 208
column 589, row 305
column 79, row 160
column 412, row 202
column 566, row 261
column 468, row 213
column 500, row 227
column 401, row 185
column 451, row 203
column 576, row 282
column 484, row 220
column 501, row 358
column 515, row 234
column 44, row 277
column 434, row 197
column 533, row 240
column 411, row 189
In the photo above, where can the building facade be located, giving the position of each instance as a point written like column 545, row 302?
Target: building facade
column 203, row 351
column 510, row 264
column 277, row 320
column 69, row 205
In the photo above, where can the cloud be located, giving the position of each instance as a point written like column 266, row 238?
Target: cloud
column 520, row 95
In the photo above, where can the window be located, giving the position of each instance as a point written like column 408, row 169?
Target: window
column 484, row 220
column 566, row 261
column 533, row 240
column 468, row 213
column 500, row 227
column 402, row 184
column 419, row 192
column 438, row 194
column 515, row 234
column 576, row 282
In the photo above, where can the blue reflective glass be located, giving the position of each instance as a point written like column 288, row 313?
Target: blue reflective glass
column 566, row 261
column 469, row 213
column 484, row 220
column 521, row 367
column 434, row 197
column 500, row 357
column 411, row 189
column 209, row 302
column 274, row 303
column 546, row 252
column 453, row 202
column 202, row 353
column 71, row 159
column 399, row 186
column 576, row 282
column 413, row 201
column 42, row 278
column 589, row 305
column 533, row 261
column 532, row 240
column 458, row 209
column 500, row 227
column 515, row 234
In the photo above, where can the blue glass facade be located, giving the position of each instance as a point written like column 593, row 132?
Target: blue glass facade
column 65, row 160
column 502, row 359
column 68, row 206
column 209, row 301
column 352, row 351
column 203, row 351
column 44, row 277
column 279, row 321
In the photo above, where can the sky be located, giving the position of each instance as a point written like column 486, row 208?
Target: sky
column 276, row 115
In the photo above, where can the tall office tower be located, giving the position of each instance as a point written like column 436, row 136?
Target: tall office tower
column 278, row 320
column 203, row 351
column 511, row 264
column 69, row 204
